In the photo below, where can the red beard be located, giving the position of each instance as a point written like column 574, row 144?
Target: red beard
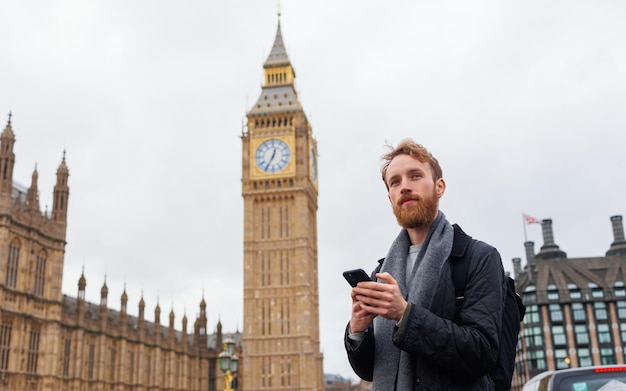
column 418, row 214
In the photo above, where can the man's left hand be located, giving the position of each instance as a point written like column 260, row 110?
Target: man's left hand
column 385, row 300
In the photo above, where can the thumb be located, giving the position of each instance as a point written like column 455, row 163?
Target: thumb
column 387, row 278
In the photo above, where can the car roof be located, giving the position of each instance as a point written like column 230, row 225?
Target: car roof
column 595, row 368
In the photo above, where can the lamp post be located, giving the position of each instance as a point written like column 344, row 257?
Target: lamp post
column 229, row 362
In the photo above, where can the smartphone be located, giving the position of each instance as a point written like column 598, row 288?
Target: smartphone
column 355, row 276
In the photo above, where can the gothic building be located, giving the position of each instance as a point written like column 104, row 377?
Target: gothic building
column 51, row 341
column 279, row 188
column 575, row 307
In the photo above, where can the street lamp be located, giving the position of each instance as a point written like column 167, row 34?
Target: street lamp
column 229, row 362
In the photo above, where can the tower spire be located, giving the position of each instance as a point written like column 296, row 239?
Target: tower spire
column 32, row 196
column 278, row 54
column 7, row 158
column 61, row 193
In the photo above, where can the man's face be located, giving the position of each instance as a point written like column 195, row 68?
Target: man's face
column 413, row 194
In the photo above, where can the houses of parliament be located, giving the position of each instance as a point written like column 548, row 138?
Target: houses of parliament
column 53, row 341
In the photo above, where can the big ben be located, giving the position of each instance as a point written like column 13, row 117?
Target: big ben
column 281, row 345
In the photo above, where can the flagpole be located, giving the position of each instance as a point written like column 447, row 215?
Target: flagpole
column 524, row 224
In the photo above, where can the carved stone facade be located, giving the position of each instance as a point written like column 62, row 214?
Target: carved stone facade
column 279, row 188
column 50, row 341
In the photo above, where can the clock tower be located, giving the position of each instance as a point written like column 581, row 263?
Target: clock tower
column 281, row 347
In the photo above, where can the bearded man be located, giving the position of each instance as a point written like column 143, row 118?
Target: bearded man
column 407, row 331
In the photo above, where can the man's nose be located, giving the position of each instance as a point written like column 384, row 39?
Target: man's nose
column 404, row 188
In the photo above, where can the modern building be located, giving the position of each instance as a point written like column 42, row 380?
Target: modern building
column 575, row 307
column 280, row 191
column 50, row 341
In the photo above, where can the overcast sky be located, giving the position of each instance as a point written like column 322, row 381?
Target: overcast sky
column 522, row 102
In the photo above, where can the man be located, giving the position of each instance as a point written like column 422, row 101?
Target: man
column 406, row 331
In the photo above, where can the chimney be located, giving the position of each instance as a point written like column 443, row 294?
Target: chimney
column 618, row 247
column 530, row 253
column 549, row 250
column 517, row 267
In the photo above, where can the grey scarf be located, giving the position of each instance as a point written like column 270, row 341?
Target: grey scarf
column 393, row 366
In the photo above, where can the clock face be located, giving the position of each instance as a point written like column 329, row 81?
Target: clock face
column 272, row 155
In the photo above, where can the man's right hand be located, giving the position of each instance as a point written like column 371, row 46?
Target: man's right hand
column 361, row 319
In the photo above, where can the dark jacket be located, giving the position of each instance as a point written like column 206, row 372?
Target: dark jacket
column 451, row 349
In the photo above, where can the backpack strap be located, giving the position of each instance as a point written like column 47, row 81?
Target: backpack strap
column 460, row 263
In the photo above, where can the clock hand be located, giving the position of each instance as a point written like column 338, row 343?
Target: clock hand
column 271, row 158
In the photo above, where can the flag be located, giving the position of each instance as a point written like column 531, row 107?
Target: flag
column 531, row 220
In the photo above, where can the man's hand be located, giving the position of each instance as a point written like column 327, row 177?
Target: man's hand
column 370, row 299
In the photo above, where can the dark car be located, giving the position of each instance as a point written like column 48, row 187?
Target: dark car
column 597, row 378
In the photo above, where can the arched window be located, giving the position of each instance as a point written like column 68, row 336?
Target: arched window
column 40, row 273
column 13, row 263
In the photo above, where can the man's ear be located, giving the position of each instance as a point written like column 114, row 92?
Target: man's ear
column 440, row 187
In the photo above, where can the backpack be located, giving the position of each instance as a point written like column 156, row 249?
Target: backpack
column 512, row 315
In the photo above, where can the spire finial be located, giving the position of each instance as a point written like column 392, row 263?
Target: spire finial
column 63, row 154
column 278, row 10
column 11, row 114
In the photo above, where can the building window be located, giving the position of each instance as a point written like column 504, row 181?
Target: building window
column 604, row 334
column 212, row 375
column 112, row 364
column 12, row 265
column 621, row 309
column 33, row 350
column 40, row 275
column 606, row 356
column 66, row 357
column 558, row 336
column 619, row 289
column 91, row 358
column 596, row 291
column 622, row 329
column 5, row 343
column 556, row 314
column 574, row 292
column 562, row 361
column 533, row 337
column 584, row 358
column 530, row 295
column 582, row 335
column 131, row 367
column 578, row 312
column 532, row 315
column 553, row 292
column 537, row 361
column 148, row 370
column 600, row 311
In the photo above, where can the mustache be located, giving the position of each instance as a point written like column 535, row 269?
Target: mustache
column 406, row 198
